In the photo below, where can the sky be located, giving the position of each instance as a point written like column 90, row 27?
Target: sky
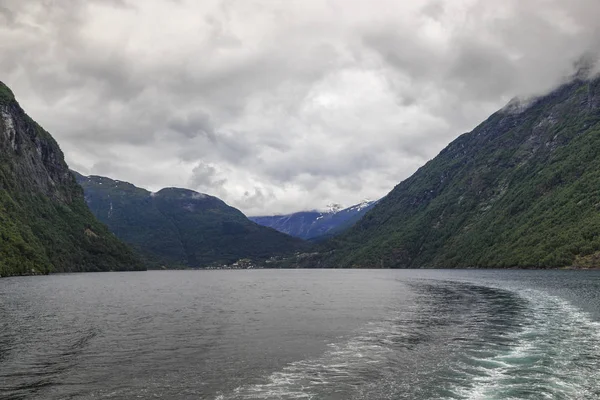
column 279, row 106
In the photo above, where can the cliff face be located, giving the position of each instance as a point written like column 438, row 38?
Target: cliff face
column 520, row 190
column 45, row 224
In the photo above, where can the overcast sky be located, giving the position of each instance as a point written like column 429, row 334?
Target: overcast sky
column 279, row 106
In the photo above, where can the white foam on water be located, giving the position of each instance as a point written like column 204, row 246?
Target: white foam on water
column 338, row 370
column 551, row 351
column 556, row 356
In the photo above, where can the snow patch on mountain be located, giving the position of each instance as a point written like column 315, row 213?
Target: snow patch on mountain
column 316, row 224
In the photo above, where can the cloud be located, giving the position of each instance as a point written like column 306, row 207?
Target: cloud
column 192, row 124
column 205, row 176
column 279, row 106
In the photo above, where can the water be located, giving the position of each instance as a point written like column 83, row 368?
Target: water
column 302, row 334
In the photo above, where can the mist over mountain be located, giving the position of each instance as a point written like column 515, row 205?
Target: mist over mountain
column 520, row 190
column 279, row 106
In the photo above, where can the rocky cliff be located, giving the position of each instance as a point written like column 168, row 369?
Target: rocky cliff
column 45, row 225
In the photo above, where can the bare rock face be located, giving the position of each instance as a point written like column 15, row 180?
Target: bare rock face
column 43, row 217
column 36, row 157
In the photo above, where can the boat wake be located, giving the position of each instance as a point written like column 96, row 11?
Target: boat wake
column 457, row 341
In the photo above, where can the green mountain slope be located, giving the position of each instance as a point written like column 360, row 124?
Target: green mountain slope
column 179, row 227
column 521, row 190
column 45, row 224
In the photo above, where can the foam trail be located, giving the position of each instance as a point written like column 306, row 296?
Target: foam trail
column 554, row 356
column 337, row 370
column 458, row 341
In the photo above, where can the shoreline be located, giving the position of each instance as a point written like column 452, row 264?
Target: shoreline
column 344, row 269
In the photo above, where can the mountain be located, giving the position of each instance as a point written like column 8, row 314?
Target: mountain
column 179, row 227
column 316, row 225
column 45, row 225
column 521, row 190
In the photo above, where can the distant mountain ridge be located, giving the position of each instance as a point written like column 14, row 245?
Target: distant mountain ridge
column 181, row 228
column 521, row 190
column 315, row 224
column 45, row 225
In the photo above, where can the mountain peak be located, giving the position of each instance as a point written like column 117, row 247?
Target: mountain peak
column 363, row 204
column 586, row 67
column 6, row 95
column 334, row 208
column 181, row 227
column 183, row 193
column 316, row 225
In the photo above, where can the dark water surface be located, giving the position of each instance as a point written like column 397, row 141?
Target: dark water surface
column 302, row 334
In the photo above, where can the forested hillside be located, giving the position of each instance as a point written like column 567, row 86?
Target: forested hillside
column 45, row 225
column 521, row 190
column 181, row 228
